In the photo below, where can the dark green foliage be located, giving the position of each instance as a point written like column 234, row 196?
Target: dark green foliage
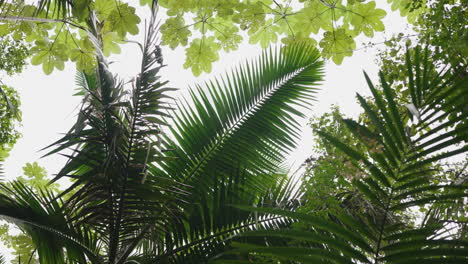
column 45, row 221
column 139, row 194
column 398, row 175
column 22, row 244
column 223, row 149
column 9, row 115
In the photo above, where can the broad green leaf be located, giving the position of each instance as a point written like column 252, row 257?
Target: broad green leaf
column 313, row 18
column 227, row 34
column 110, row 43
column 337, row 44
column 122, row 20
column 85, row 60
column 175, row 32
column 201, row 54
column 265, row 35
column 366, row 18
column 104, row 8
column 50, row 55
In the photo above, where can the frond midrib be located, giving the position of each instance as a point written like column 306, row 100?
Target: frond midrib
column 219, row 234
column 213, row 146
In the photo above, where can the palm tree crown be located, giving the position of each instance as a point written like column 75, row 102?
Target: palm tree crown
column 139, row 194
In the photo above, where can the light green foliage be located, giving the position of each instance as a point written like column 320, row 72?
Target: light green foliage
column 13, row 54
column 333, row 23
column 175, row 32
column 21, row 245
column 50, row 55
column 35, row 177
column 201, row 54
column 84, row 57
column 224, row 24
column 368, row 20
column 122, row 20
column 266, row 36
column 337, row 44
column 56, row 39
column 410, row 8
column 10, row 116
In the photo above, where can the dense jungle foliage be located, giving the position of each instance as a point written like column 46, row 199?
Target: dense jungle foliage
column 204, row 180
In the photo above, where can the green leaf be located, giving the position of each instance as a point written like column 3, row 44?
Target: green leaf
column 265, row 35
column 175, row 32
column 366, row 18
column 201, row 54
column 110, row 43
column 227, row 35
column 337, row 44
column 50, row 55
column 122, row 20
column 312, row 18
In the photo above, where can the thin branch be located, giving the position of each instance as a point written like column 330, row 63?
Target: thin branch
column 370, row 45
column 41, row 20
column 31, row 256
column 341, row 8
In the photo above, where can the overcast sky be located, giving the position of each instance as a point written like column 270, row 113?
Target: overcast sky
column 49, row 109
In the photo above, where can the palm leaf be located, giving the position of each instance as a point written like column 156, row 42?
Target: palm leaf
column 229, row 140
column 399, row 171
column 41, row 216
column 115, row 140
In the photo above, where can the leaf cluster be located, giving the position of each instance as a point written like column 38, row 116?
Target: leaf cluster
column 10, row 116
column 57, row 36
column 223, row 25
column 13, row 55
column 21, row 244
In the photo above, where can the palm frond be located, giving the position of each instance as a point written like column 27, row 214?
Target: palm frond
column 399, row 170
column 230, row 139
column 42, row 217
column 222, row 221
column 254, row 104
column 116, row 138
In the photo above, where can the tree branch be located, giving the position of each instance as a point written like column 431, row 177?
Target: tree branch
column 41, row 20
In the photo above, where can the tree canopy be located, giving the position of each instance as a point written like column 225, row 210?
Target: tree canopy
column 60, row 32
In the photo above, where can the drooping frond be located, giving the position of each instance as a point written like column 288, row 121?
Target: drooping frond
column 42, row 217
column 116, row 138
column 225, row 221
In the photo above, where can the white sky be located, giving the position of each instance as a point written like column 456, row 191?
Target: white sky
column 49, row 109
